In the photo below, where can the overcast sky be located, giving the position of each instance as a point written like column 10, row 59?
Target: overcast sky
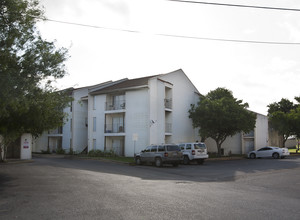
column 257, row 73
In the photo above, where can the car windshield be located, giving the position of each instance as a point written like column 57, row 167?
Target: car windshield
column 173, row 147
column 199, row 146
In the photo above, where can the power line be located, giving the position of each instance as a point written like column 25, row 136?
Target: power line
column 176, row 36
column 234, row 5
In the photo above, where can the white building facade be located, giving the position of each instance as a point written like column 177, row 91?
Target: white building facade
column 242, row 143
column 129, row 115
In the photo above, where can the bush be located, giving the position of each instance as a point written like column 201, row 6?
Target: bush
column 99, row 153
column 45, row 151
column 60, row 151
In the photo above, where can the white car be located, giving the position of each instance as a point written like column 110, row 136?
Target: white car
column 275, row 152
column 193, row 152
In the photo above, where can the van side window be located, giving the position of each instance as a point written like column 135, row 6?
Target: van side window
column 181, row 146
column 161, row 148
column 188, row 146
column 153, row 148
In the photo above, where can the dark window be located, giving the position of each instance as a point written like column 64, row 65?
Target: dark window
column 173, row 147
column 181, row 146
column 199, row 146
column 153, row 148
column 148, row 149
column 188, row 146
column 161, row 148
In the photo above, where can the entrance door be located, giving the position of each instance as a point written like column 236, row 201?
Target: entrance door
column 117, row 145
column 249, row 146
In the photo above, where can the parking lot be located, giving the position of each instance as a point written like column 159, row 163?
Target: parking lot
column 56, row 188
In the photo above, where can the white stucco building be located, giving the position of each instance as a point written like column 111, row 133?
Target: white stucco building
column 127, row 115
column 242, row 143
column 74, row 133
column 131, row 114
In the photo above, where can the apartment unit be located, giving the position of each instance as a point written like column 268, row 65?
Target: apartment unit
column 130, row 114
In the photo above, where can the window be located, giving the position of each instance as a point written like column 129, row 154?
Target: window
column 199, row 146
column 148, row 149
column 161, row 148
column 94, row 123
column 181, row 146
column 172, row 147
column 153, row 148
column 188, row 146
column 94, row 144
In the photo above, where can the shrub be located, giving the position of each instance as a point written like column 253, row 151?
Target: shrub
column 45, row 151
column 60, row 151
column 99, row 153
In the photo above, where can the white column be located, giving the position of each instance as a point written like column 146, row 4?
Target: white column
column 26, row 146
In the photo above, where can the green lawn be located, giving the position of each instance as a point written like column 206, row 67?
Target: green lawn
column 293, row 151
column 120, row 159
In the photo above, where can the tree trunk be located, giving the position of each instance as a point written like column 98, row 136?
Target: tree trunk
column 219, row 149
column 283, row 141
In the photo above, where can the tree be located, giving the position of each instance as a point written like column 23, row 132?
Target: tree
column 28, row 66
column 219, row 115
column 284, row 117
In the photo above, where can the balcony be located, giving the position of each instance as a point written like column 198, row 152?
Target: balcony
column 168, row 103
column 114, row 128
column 117, row 105
column 56, row 132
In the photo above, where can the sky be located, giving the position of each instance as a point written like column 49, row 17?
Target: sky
column 128, row 40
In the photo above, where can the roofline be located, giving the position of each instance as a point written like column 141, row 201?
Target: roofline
column 119, row 90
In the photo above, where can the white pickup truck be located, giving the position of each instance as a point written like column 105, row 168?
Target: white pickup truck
column 193, row 152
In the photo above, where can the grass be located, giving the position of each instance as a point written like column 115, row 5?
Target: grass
column 293, row 151
column 117, row 158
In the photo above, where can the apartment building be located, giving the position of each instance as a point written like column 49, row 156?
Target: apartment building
column 129, row 115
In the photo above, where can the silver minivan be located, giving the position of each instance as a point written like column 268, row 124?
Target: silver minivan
column 159, row 155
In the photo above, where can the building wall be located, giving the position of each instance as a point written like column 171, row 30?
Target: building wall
column 184, row 94
column 261, row 132
column 96, row 108
column 137, row 119
column 232, row 145
column 79, row 117
column 40, row 143
column 157, row 111
column 67, row 133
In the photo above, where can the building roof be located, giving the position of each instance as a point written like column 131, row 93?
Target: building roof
column 126, row 84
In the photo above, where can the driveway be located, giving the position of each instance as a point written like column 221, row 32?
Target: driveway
column 56, row 188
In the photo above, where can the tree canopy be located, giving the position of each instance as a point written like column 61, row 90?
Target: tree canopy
column 28, row 66
column 284, row 117
column 220, row 115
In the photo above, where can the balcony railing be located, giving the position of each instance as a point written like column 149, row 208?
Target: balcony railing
column 109, row 106
column 168, row 103
column 114, row 128
column 58, row 130
column 168, row 127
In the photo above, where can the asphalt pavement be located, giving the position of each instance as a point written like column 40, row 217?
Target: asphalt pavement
column 66, row 188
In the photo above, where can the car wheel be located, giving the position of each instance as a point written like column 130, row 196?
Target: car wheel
column 200, row 162
column 275, row 156
column 186, row 160
column 138, row 161
column 158, row 162
column 252, row 156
